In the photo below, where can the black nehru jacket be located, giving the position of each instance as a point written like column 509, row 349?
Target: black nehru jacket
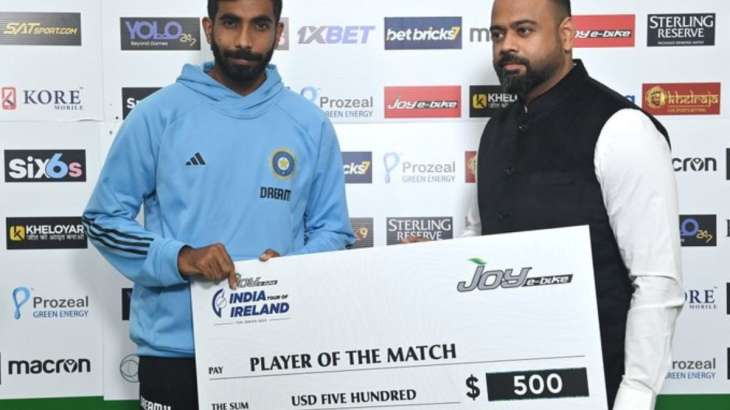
column 536, row 171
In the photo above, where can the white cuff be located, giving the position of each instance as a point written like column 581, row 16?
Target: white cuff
column 629, row 398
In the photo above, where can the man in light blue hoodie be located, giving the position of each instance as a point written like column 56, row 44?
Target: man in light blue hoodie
column 227, row 163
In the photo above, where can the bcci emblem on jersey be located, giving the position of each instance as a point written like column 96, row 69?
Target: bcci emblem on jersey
column 283, row 163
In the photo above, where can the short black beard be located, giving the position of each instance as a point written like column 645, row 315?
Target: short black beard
column 521, row 85
column 237, row 73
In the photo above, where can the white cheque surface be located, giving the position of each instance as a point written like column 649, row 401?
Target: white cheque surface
column 494, row 322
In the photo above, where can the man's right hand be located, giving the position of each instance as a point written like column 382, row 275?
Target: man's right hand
column 210, row 262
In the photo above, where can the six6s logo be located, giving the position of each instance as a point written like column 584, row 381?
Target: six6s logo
column 45, row 166
column 335, row 34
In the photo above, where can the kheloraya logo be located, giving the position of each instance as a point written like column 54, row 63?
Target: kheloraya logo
column 423, row 102
column 618, row 30
column 682, row 99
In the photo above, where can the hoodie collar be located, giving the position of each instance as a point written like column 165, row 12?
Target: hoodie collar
column 228, row 101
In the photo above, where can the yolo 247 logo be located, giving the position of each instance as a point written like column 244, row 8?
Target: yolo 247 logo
column 484, row 279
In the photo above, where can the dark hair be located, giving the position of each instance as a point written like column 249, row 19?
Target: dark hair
column 213, row 8
column 563, row 8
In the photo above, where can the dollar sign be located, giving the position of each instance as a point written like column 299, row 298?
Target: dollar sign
column 474, row 391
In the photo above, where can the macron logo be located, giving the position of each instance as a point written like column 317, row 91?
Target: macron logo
column 196, row 160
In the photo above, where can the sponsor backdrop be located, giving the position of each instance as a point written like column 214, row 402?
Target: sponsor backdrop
column 409, row 86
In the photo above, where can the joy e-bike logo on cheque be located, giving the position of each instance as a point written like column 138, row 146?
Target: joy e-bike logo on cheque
column 250, row 303
column 484, row 279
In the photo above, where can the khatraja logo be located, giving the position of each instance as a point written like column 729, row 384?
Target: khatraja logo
column 484, row 279
column 335, row 34
column 40, row 29
column 423, row 33
column 470, row 161
column 605, row 31
column 45, row 166
column 358, row 167
column 423, row 102
column 682, row 99
column 156, row 33
column 668, row 30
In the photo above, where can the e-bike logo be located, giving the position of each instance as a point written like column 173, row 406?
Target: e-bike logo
column 506, row 278
column 21, row 296
column 45, row 166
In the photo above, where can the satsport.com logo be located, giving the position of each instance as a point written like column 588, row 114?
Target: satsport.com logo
column 484, row 279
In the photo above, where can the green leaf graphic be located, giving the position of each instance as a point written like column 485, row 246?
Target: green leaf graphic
column 478, row 261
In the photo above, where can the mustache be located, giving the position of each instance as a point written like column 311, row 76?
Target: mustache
column 511, row 58
column 244, row 54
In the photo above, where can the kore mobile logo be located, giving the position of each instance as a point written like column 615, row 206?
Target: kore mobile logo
column 498, row 278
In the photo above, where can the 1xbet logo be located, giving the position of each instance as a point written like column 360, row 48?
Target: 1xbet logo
column 45, row 166
column 335, row 34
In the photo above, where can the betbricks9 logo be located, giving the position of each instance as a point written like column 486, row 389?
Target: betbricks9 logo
column 157, row 33
column 45, row 233
column 423, row 102
column 358, row 167
column 605, row 31
column 363, row 230
column 698, row 230
column 40, row 29
column 470, row 161
column 399, row 230
column 423, row 33
column 45, row 166
column 133, row 96
column 682, row 99
column 668, row 30
column 488, row 100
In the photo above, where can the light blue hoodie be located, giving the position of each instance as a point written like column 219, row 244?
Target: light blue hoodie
column 255, row 172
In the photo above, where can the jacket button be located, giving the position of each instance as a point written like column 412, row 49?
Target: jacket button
column 523, row 127
column 509, row 171
column 502, row 216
